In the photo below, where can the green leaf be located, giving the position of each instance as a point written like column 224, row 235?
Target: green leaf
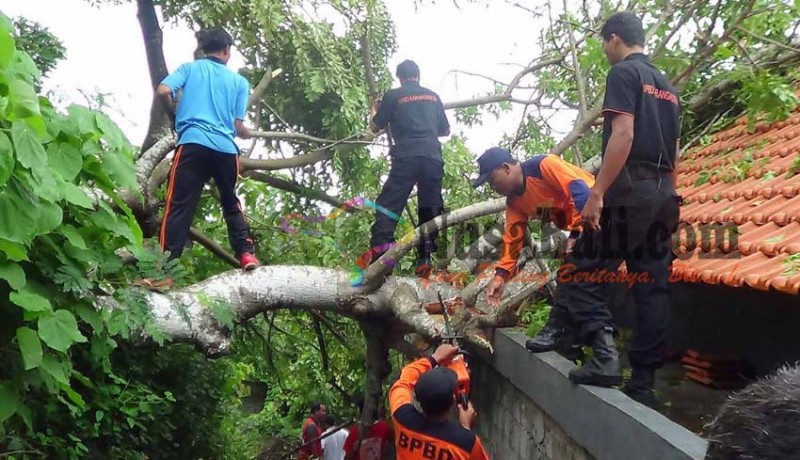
column 6, row 158
column 59, row 330
column 30, row 347
column 111, row 132
column 13, row 251
column 50, row 216
column 30, row 301
column 119, row 166
column 9, row 401
column 25, row 102
column 76, row 195
column 65, row 160
column 56, row 368
column 6, row 50
column 72, row 235
column 90, row 316
column 17, row 217
column 30, row 152
column 12, row 274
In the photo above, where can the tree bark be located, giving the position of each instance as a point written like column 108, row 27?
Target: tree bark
column 187, row 315
column 153, row 44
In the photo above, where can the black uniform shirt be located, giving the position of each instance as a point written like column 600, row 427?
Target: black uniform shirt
column 635, row 88
column 416, row 119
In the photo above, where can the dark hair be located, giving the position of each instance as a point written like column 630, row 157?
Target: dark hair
column 315, row 406
column 330, row 420
column 627, row 26
column 759, row 421
column 214, row 40
column 512, row 161
column 437, row 408
column 407, row 70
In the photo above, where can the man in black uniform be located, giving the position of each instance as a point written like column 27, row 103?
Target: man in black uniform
column 632, row 210
column 415, row 119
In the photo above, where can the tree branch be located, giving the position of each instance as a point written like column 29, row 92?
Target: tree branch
column 261, row 87
column 213, row 247
column 293, row 187
column 375, row 272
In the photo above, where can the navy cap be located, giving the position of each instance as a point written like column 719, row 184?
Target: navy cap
column 435, row 386
column 489, row 161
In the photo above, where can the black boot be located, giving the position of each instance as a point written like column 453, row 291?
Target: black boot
column 603, row 369
column 568, row 344
column 546, row 338
column 640, row 387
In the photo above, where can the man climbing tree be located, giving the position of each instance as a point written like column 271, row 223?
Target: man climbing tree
column 543, row 187
column 632, row 209
column 209, row 115
column 415, row 118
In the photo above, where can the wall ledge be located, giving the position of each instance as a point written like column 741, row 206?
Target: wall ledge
column 604, row 421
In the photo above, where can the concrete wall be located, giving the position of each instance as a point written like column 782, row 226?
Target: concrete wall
column 528, row 410
column 512, row 426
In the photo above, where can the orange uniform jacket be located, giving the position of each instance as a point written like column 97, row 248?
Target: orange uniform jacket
column 550, row 183
column 416, row 437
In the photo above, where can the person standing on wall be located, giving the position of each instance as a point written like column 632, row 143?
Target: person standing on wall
column 210, row 114
column 415, row 119
column 632, row 209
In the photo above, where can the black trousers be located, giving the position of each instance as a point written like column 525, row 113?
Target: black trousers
column 640, row 235
column 192, row 167
column 424, row 172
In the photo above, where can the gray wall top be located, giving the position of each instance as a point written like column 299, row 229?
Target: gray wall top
column 607, row 423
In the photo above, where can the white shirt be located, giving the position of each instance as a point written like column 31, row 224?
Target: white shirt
column 333, row 445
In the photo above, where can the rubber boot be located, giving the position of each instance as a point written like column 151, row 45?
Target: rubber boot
column 546, row 338
column 640, row 387
column 603, row 369
column 568, row 344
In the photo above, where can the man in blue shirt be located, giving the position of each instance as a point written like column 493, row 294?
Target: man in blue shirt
column 210, row 114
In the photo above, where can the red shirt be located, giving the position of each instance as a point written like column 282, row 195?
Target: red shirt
column 372, row 446
column 310, row 431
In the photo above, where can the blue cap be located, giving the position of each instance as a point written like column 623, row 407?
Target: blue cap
column 489, row 161
column 436, row 386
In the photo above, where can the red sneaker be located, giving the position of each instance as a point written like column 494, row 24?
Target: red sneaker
column 248, row 261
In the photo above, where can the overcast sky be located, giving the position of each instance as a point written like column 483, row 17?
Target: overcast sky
column 105, row 53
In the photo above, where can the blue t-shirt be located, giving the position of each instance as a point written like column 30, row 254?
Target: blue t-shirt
column 213, row 98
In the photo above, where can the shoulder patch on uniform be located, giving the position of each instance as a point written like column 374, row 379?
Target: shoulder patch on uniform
column 532, row 167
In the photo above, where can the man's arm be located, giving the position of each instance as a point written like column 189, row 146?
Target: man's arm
column 622, row 89
column 675, row 166
column 444, row 124
column 383, row 110
column 617, row 152
column 164, row 95
column 513, row 237
column 240, row 109
column 402, row 391
column 165, row 92
column 242, row 130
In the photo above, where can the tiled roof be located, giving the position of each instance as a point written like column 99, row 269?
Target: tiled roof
column 740, row 220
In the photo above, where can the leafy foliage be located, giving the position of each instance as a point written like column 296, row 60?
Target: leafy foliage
column 66, row 389
column 44, row 48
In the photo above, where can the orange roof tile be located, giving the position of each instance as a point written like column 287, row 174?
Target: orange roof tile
column 740, row 221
